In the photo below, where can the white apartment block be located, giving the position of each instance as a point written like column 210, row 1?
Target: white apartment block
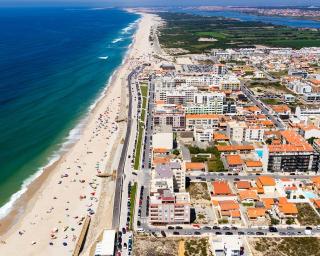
column 206, row 121
column 208, row 97
column 203, row 135
column 299, row 87
column 240, row 131
column 167, row 207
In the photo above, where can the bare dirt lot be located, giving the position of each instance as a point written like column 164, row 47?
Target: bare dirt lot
column 199, row 193
column 286, row 246
column 152, row 246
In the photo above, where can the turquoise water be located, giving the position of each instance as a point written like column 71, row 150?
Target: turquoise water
column 259, row 153
column 310, row 195
column 50, row 74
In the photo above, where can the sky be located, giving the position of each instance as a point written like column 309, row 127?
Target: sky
column 158, row 2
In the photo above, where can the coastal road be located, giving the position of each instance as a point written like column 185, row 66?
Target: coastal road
column 121, row 167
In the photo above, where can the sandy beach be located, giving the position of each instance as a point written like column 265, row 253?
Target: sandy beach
column 48, row 218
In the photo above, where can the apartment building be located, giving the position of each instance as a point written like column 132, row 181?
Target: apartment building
column 241, row 131
column 167, row 207
column 299, row 87
column 291, row 155
column 231, row 83
column 203, row 135
column 206, row 121
column 169, row 114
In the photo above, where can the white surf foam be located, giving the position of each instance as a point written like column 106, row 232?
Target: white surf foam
column 72, row 137
column 117, row 40
column 103, row 57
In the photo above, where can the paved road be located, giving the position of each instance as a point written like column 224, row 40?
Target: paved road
column 265, row 110
column 210, row 176
column 146, row 161
column 188, row 231
column 120, row 171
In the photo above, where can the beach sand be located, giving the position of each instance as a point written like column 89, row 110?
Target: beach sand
column 48, row 218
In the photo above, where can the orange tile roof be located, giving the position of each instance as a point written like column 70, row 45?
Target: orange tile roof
column 235, row 214
column 288, row 208
column 253, row 163
column 266, row 122
column 315, row 81
column 283, row 200
column 252, row 108
column 160, row 150
column 266, row 181
column 248, row 194
column 243, row 184
column 268, row 202
column 315, row 179
column 305, row 147
column 202, row 116
column 228, row 205
column 220, row 136
column 234, row 160
column 161, row 160
column 195, row 166
column 234, row 148
column 295, row 143
column 221, row 188
column 256, row 212
column 280, row 108
column 317, row 203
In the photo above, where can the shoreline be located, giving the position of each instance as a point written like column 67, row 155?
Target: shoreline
column 40, row 176
column 30, row 199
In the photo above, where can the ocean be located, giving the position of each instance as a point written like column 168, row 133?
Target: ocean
column 54, row 64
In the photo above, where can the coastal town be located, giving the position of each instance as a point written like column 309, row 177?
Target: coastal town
column 227, row 152
column 212, row 153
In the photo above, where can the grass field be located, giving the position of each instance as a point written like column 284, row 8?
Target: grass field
column 184, row 30
column 133, row 193
column 144, row 93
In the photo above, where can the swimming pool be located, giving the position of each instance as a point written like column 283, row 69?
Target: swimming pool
column 309, row 194
column 259, row 153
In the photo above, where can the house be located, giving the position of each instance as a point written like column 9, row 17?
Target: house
column 194, row 166
column 309, row 131
column 256, row 213
column 268, row 203
column 220, row 137
column 221, row 188
column 248, row 196
column 282, row 110
column 286, row 210
column 233, row 163
column 253, row 166
column 228, row 246
column 267, row 183
column 235, row 149
column 229, row 208
column 243, row 184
